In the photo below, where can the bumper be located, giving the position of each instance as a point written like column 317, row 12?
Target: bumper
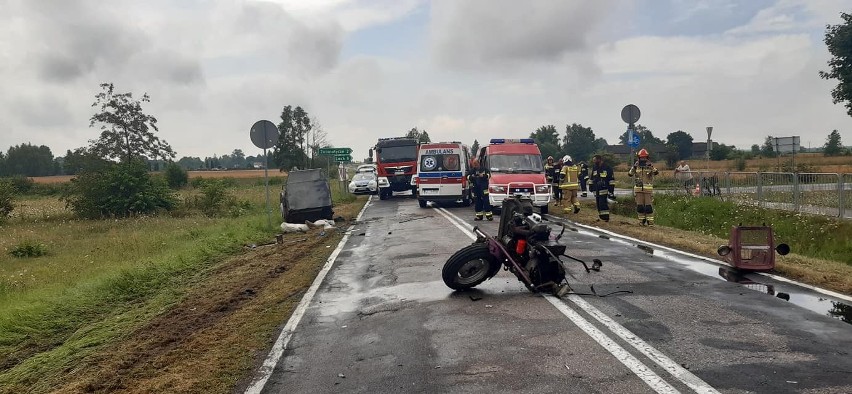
column 362, row 190
column 538, row 200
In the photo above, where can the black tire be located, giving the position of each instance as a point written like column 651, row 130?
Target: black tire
column 422, row 202
column 545, row 209
column 466, row 200
column 383, row 195
column 469, row 267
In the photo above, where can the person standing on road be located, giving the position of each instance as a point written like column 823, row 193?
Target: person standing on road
column 643, row 173
column 584, row 177
column 570, row 184
column 554, row 184
column 478, row 179
column 600, row 184
column 684, row 175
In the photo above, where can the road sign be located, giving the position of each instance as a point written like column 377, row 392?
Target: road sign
column 630, row 114
column 633, row 139
column 335, row 151
column 341, row 158
column 264, row 134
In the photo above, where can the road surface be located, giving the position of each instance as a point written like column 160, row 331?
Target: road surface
column 382, row 321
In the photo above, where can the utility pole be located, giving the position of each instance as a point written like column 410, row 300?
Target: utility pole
column 709, row 145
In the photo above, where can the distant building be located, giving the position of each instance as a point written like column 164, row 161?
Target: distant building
column 699, row 149
column 622, row 152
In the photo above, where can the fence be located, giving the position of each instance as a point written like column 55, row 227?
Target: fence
column 815, row 193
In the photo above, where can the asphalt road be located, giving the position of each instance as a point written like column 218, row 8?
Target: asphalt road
column 383, row 321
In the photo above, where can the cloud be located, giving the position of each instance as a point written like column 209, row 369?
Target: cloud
column 486, row 34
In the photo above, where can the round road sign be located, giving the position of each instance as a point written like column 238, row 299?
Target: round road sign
column 630, row 114
column 264, row 134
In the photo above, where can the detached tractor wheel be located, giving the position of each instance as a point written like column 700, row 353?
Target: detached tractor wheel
column 469, row 267
column 422, row 202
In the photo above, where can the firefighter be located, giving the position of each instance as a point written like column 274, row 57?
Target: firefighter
column 478, row 179
column 548, row 169
column 600, row 184
column 584, row 177
column 554, row 184
column 570, row 184
column 643, row 173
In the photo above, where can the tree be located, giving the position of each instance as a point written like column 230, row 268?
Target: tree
column 80, row 160
column 600, row 144
column 118, row 190
column 2, row 164
column 755, row 149
column 318, row 139
column 833, row 147
column 420, row 135
column 29, row 160
column 474, row 149
column 672, row 155
column 767, row 150
column 546, row 134
column 190, row 163
column 838, row 39
column 579, row 142
column 721, row 152
column 682, row 141
column 126, row 131
column 289, row 151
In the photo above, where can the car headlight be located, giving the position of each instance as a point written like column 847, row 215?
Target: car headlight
column 498, row 189
column 372, row 183
column 542, row 189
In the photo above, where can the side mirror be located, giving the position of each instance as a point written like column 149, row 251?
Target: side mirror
column 724, row 250
column 782, row 249
column 371, row 153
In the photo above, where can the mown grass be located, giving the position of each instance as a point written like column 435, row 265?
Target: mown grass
column 813, row 236
column 103, row 278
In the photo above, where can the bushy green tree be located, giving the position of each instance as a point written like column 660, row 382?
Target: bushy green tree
column 7, row 200
column 421, row 135
column 176, row 176
column 838, row 39
column 579, row 142
column 290, row 150
column 127, row 133
column 682, row 141
column 474, row 149
column 833, row 147
column 767, row 150
column 119, row 190
column 29, row 160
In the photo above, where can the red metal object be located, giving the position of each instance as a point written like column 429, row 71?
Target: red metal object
column 752, row 248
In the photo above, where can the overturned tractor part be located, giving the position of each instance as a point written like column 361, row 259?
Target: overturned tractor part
column 752, row 248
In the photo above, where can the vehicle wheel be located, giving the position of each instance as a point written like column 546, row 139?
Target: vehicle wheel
column 466, row 200
column 383, row 195
column 545, row 209
column 469, row 267
column 422, row 203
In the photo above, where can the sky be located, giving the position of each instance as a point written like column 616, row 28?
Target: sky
column 460, row 69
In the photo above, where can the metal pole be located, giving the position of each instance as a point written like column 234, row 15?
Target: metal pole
column 796, row 191
column 759, row 190
column 266, row 182
column 841, row 185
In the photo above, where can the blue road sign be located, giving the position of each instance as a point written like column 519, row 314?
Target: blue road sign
column 633, row 139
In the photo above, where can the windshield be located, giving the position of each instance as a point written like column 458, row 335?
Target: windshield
column 449, row 162
column 396, row 154
column 365, row 176
column 515, row 163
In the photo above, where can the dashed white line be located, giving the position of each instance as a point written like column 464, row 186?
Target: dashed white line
column 286, row 334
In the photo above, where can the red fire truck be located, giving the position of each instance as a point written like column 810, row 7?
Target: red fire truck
column 396, row 163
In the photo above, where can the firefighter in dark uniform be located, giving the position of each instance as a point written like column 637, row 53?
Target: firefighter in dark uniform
column 601, row 185
column 478, row 179
column 555, row 182
column 584, row 178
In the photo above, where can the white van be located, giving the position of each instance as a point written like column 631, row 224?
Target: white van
column 442, row 170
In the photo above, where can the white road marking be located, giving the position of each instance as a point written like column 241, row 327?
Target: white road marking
column 703, row 258
column 286, row 334
column 638, row 368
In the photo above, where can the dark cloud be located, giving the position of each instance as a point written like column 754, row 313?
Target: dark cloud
column 486, row 34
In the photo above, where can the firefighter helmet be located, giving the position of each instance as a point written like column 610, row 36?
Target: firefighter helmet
column 566, row 159
column 642, row 153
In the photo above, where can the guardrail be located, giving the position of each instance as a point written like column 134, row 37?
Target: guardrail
column 827, row 194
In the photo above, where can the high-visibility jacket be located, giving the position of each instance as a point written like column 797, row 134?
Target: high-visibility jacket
column 643, row 177
column 600, row 179
column 570, row 177
column 548, row 172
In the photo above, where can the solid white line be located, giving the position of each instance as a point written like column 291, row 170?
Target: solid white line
column 449, row 216
column 703, row 258
column 688, row 378
column 277, row 351
column 637, row 367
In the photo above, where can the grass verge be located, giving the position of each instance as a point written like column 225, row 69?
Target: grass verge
column 699, row 225
column 136, row 304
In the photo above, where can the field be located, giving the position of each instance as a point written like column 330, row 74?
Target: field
column 236, row 174
column 177, row 302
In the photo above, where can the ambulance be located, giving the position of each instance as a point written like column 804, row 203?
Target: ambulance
column 442, row 170
column 516, row 168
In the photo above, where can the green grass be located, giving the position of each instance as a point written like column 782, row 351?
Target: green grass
column 103, row 278
column 813, row 236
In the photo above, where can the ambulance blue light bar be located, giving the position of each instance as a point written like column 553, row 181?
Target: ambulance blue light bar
column 512, row 140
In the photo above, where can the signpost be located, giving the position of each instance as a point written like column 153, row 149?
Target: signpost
column 709, row 144
column 630, row 114
column 341, row 156
column 335, row 151
column 265, row 135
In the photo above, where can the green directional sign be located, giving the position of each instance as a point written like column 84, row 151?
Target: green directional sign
column 335, row 151
column 342, row 158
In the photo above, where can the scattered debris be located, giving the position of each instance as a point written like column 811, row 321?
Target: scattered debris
column 437, row 367
column 390, row 232
column 566, row 367
column 294, row 228
column 475, row 298
column 792, row 382
column 414, row 218
column 362, row 234
column 489, row 306
column 340, row 375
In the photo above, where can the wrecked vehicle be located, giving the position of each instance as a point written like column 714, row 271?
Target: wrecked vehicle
column 306, row 196
column 523, row 246
column 752, row 248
